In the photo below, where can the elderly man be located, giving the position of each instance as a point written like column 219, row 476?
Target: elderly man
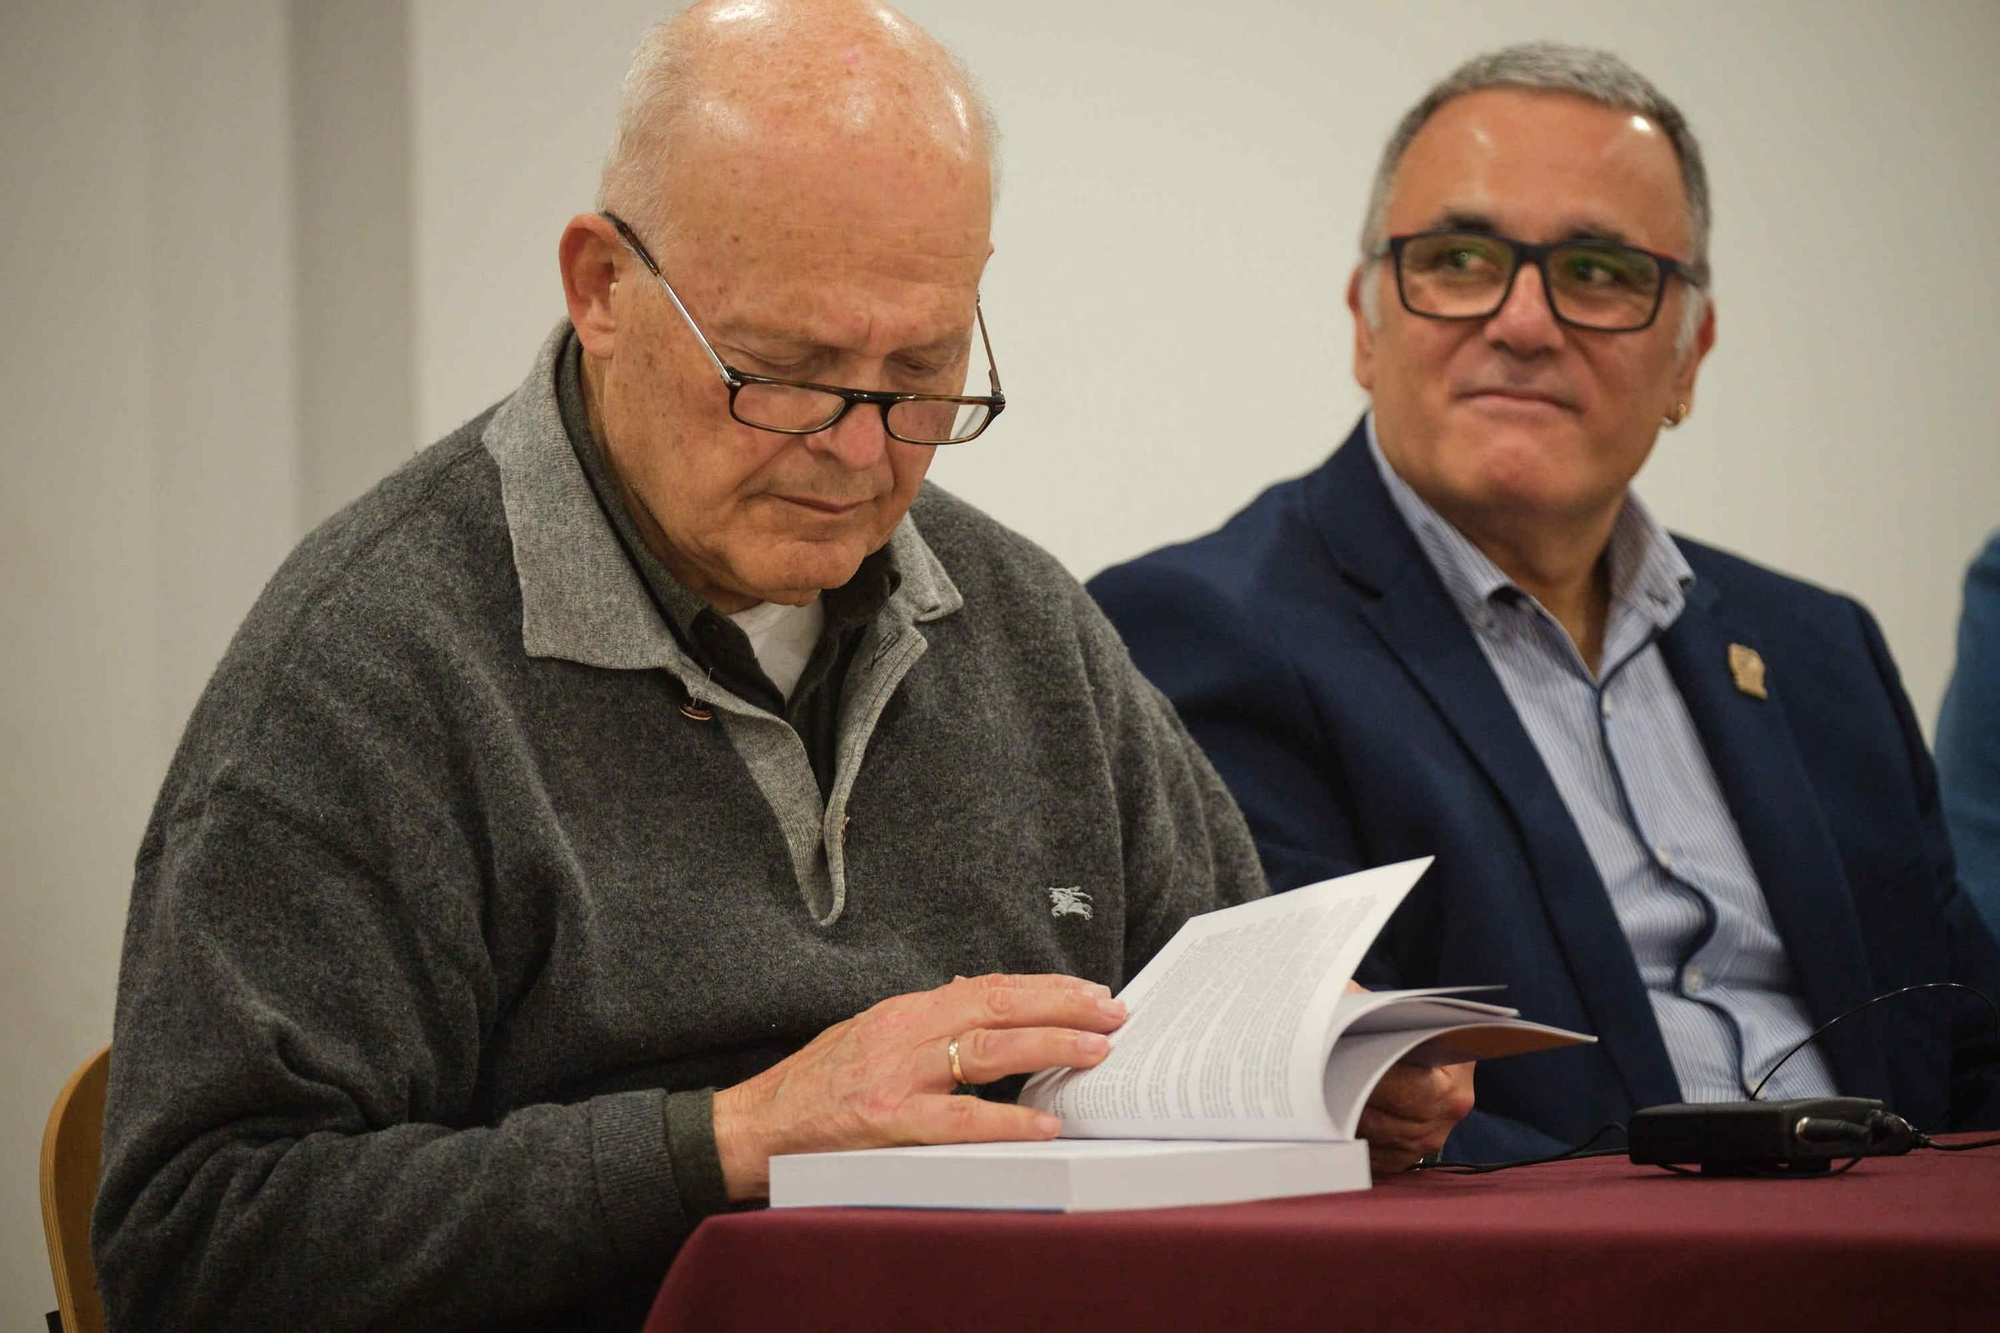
column 517, row 886
column 1676, row 799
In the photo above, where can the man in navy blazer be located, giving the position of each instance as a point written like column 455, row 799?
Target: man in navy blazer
column 1676, row 800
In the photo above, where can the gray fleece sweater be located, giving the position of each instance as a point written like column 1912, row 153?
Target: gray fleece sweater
column 449, row 920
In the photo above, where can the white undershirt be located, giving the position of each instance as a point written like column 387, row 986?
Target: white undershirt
column 783, row 637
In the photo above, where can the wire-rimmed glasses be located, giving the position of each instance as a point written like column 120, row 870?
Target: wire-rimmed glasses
column 801, row 407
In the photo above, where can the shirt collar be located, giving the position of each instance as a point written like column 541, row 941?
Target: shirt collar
column 1649, row 575
column 677, row 602
column 582, row 599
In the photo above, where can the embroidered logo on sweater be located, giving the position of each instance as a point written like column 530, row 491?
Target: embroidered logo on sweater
column 1072, row 901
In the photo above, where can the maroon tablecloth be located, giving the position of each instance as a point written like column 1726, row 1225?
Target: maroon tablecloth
column 1908, row 1243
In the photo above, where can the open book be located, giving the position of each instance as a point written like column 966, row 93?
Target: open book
column 1241, row 1035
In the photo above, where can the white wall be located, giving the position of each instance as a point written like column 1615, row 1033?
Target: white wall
column 257, row 249
column 161, row 452
column 350, row 165
column 79, row 750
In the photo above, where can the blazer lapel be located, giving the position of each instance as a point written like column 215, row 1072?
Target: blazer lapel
column 1756, row 759
column 1419, row 624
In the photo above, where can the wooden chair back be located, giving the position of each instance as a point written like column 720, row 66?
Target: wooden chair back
column 72, row 1159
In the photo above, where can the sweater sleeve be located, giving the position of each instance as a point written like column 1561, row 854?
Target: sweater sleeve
column 294, row 1116
column 303, row 1120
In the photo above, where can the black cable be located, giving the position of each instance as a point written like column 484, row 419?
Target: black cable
column 1919, row 1138
column 1581, row 1150
column 1885, row 995
column 1926, row 1141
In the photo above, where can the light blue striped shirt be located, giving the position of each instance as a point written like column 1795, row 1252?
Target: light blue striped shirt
column 1629, row 763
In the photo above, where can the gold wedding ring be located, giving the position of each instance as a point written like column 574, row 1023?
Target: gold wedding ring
column 957, row 1073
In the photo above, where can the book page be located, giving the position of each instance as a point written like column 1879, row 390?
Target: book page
column 1360, row 1059
column 1399, row 1010
column 1230, row 1023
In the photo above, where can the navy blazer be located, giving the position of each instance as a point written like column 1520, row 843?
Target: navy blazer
column 1315, row 654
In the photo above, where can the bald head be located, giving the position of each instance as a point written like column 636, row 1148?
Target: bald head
column 813, row 177
column 817, row 77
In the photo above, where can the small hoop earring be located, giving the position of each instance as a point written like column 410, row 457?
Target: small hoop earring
column 1677, row 415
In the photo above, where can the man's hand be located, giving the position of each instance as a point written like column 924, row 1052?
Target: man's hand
column 1411, row 1112
column 884, row 1076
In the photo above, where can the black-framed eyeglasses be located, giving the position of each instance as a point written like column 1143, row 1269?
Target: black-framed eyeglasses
column 801, row 407
column 1600, row 285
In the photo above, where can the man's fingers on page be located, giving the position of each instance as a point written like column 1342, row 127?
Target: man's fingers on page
column 1451, row 1092
column 1412, row 1112
column 1032, row 1001
column 1405, row 1092
column 1395, row 1144
column 1056, row 982
column 1379, row 1128
column 986, row 1054
column 1386, row 1159
column 974, row 1120
column 1412, row 1092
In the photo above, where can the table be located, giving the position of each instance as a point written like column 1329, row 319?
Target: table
column 1908, row 1243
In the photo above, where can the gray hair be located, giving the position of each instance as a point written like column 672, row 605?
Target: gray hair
column 1552, row 67
column 655, row 94
column 659, row 85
